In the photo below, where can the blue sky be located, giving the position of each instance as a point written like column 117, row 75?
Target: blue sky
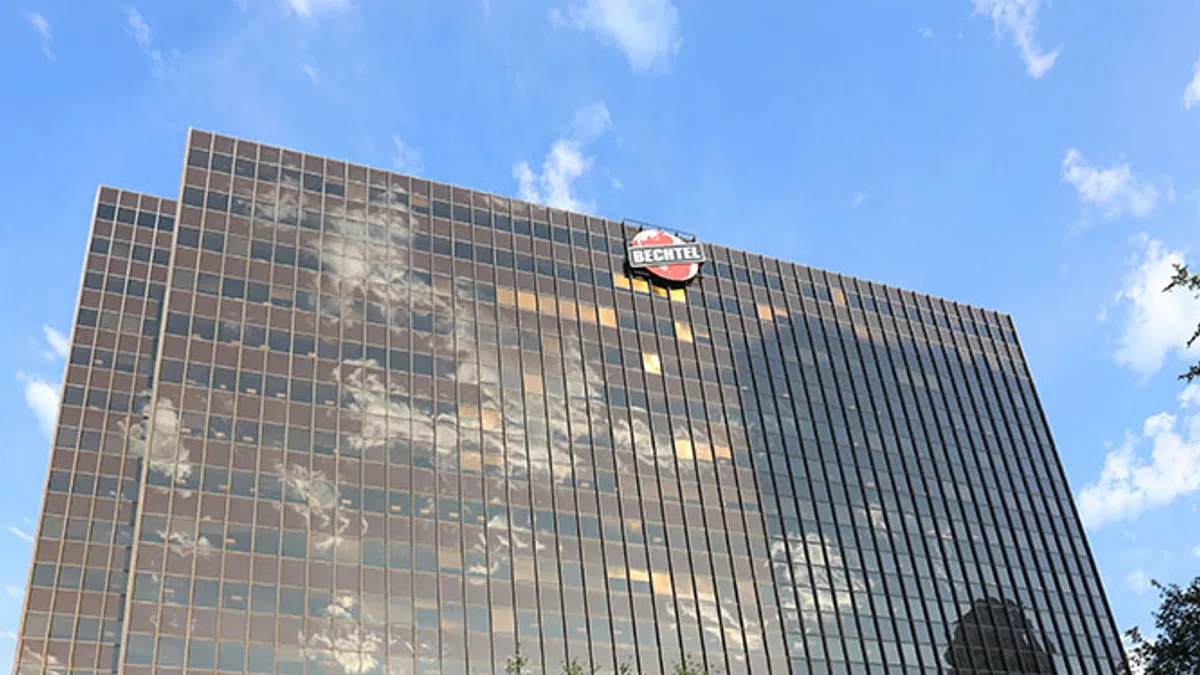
column 1034, row 158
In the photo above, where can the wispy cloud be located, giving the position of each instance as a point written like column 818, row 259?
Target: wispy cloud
column 306, row 9
column 14, row 592
column 20, row 534
column 141, row 33
column 1191, row 94
column 858, row 200
column 647, row 31
column 42, row 399
column 1019, row 18
column 58, row 343
column 312, row 73
column 1139, row 581
column 1156, row 324
column 927, row 33
column 405, row 158
column 564, row 164
column 1133, row 482
column 1114, row 189
column 1190, row 396
column 42, row 27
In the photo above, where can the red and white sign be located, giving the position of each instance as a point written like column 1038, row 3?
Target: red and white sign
column 665, row 255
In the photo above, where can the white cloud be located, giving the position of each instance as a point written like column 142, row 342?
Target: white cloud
column 1114, row 190
column 405, row 158
column 42, row 27
column 552, row 187
column 310, row 8
column 42, row 399
column 1139, row 581
column 20, row 534
column 14, row 592
column 927, row 33
column 311, row 72
column 1157, row 324
column 1191, row 95
column 1196, row 551
column 647, row 31
column 564, row 164
column 59, row 343
column 590, row 122
column 144, row 37
column 1190, row 395
column 1133, row 482
column 1019, row 17
column 857, row 200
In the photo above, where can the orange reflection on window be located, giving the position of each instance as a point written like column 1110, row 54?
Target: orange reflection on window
column 506, row 297
column 533, row 383
column 662, row 583
column 471, row 461
column 683, row 332
column 587, row 313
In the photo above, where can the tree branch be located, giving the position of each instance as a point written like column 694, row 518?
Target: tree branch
column 1187, row 281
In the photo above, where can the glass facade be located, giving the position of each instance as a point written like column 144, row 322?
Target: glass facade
column 321, row 418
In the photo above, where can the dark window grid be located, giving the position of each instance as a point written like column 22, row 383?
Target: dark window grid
column 864, row 614
column 998, row 509
column 722, row 525
column 420, row 246
column 562, row 357
column 787, row 583
column 1009, row 384
column 864, row 408
column 906, row 605
column 761, row 609
column 916, row 372
column 1053, row 540
column 642, row 516
column 72, row 613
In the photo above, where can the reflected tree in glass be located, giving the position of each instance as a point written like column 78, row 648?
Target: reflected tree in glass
column 995, row 635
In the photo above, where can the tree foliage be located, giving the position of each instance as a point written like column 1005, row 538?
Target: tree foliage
column 1189, row 283
column 1176, row 651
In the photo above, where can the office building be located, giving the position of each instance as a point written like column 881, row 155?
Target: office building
column 322, row 418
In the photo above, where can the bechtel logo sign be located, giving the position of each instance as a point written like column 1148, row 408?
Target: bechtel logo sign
column 665, row 255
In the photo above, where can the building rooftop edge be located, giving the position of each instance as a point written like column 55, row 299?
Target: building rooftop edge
column 1004, row 315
